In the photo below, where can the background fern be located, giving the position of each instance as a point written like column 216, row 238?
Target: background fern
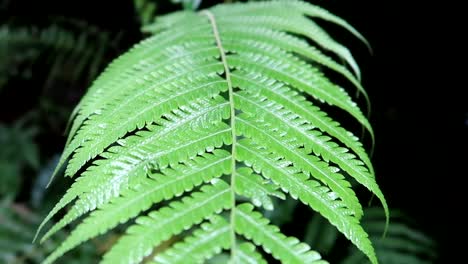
column 22, row 48
column 18, row 225
column 404, row 243
column 44, row 64
column 211, row 94
column 18, row 152
column 42, row 60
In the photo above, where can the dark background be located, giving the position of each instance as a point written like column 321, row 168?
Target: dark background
column 419, row 111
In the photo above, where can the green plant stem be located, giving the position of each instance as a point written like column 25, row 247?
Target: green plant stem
column 233, row 130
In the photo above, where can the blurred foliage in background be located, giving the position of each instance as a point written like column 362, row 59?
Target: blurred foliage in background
column 46, row 63
column 45, row 67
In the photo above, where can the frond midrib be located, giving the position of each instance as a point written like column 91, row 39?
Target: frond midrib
column 227, row 76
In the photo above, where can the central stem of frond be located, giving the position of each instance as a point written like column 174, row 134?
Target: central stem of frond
column 227, row 73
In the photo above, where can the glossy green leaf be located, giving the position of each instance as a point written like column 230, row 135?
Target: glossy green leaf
column 212, row 110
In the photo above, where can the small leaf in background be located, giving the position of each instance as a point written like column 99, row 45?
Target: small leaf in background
column 283, row 212
column 18, row 151
column 18, row 225
column 403, row 243
column 320, row 234
column 145, row 10
column 39, row 187
column 188, row 4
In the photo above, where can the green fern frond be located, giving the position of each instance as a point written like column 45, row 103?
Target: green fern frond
column 286, row 249
column 261, row 108
column 158, row 226
column 208, row 112
column 142, row 60
column 283, row 15
column 309, row 192
column 291, row 99
column 246, row 254
column 167, row 221
column 254, row 187
column 134, row 157
column 289, row 43
column 278, row 142
column 171, row 182
column 205, row 242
